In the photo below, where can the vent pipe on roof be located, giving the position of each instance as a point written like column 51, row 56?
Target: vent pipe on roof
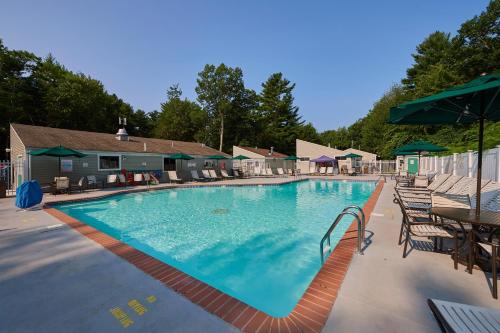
column 172, row 143
column 122, row 135
column 271, row 151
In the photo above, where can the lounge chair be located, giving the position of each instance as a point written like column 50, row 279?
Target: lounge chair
column 206, row 175
column 80, row 186
column 147, row 178
column 172, row 176
column 457, row 317
column 329, row 171
column 269, row 172
column 312, row 170
column 196, row 177
column 60, row 185
column 490, row 197
column 92, row 182
column 281, row 173
column 351, row 171
column 213, row 174
column 225, row 175
column 122, row 179
column 112, row 180
column 138, row 178
column 322, row 170
column 236, row 174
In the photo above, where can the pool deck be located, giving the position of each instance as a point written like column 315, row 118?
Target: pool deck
column 55, row 279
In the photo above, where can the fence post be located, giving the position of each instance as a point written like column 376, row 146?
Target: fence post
column 498, row 164
column 435, row 163
column 455, row 164
column 469, row 163
column 442, row 164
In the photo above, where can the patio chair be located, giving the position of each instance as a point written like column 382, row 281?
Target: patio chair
column 138, row 178
column 196, row 177
column 351, row 171
column 172, row 177
column 92, row 182
column 457, row 317
column 270, row 173
column 213, row 174
column 280, row 171
column 112, row 180
column 490, row 247
column 312, row 170
column 322, row 170
column 225, row 175
column 122, row 179
column 207, row 175
column 60, row 185
column 236, row 174
column 426, row 227
column 80, row 186
column 329, row 171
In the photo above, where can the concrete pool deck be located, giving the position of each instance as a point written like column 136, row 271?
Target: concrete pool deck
column 57, row 280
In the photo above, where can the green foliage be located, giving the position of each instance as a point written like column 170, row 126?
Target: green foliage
column 179, row 119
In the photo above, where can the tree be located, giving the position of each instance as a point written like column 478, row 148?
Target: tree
column 278, row 113
column 179, row 119
column 218, row 88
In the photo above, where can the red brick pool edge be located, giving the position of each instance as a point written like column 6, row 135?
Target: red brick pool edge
column 309, row 315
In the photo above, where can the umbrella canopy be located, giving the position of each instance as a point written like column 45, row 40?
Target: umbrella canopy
column 352, row 155
column 217, row 157
column 397, row 152
column 181, row 156
column 477, row 100
column 421, row 146
column 241, row 157
column 323, row 158
column 58, row 151
column 291, row 158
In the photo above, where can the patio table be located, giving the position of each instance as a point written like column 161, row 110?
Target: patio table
column 463, row 215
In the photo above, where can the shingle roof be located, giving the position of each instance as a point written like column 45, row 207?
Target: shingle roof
column 45, row 137
column 264, row 152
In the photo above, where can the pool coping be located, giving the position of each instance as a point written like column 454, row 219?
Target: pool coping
column 310, row 313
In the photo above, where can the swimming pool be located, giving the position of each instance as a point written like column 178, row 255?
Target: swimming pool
column 259, row 244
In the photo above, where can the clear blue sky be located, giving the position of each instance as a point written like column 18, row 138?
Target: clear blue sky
column 342, row 55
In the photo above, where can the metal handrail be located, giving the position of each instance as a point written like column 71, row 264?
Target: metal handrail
column 361, row 229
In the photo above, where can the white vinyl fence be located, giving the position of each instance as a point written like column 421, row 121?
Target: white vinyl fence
column 464, row 164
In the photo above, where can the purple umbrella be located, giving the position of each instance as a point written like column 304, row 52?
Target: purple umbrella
column 322, row 159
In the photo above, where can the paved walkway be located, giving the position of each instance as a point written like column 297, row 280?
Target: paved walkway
column 383, row 292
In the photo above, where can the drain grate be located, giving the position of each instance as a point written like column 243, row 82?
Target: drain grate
column 220, row 211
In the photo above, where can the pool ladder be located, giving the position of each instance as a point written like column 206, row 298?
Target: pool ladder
column 359, row 215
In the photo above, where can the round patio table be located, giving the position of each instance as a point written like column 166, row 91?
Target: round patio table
column 463, row 215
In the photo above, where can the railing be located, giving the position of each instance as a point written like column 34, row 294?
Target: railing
column 359, row 215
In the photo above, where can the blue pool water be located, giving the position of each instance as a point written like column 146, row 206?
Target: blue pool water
column 259, row 244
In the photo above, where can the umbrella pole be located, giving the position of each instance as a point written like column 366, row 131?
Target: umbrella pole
column 479, row 162
column 418, row 166
column 59, row 162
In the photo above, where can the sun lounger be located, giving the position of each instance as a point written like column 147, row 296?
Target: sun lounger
column 206, row 175
column 322, row 170
column 280, row 171
column 112, row 180
column 196, row 177
column 60, row 185
column 172, row 176
column 312, row 170
column 457, row 317
column 122, row 179
column 236, row 173
column 448, row 183
column 213, row 174
column 92, row 182
column 329, row 171
column 138, row 178
column 490, row 197
column 351, row 171
column 225, row 174
column 269, row 172
column 80, row 186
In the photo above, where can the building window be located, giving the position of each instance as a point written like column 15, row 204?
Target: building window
column 109, row 162
column 168, row 164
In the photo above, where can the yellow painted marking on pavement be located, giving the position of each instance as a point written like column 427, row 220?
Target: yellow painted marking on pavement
column 151, row 299
column 121, row 316
column 137, row 307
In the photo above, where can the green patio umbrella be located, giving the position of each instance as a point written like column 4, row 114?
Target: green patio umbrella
column 477, row 100
column 291, row 158
column 418, row 147
column 181, row 156
column 218, row 158
column 352, row 155
column 57, row 151
column 241, row 157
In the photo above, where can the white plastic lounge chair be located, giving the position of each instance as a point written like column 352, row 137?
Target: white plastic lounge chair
column 147, row 177
column 172, row 176
column 280, row 171
column 92, row 181
column 351, row 171
column 490, row 197
column 290, row 172
column 438, row 180
column 112, row 180
column 322, row 170
column 138, row 178
column 122, row 179
column 61, row 184
column 329, row 171
column 457, row 317
column 269, row 172
column 447, row 184
column 256, row 171
column 312, row 170
column 206, row 175
column 196, row 177
column 236, row 173
column 213, row 174
column 225, row 174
